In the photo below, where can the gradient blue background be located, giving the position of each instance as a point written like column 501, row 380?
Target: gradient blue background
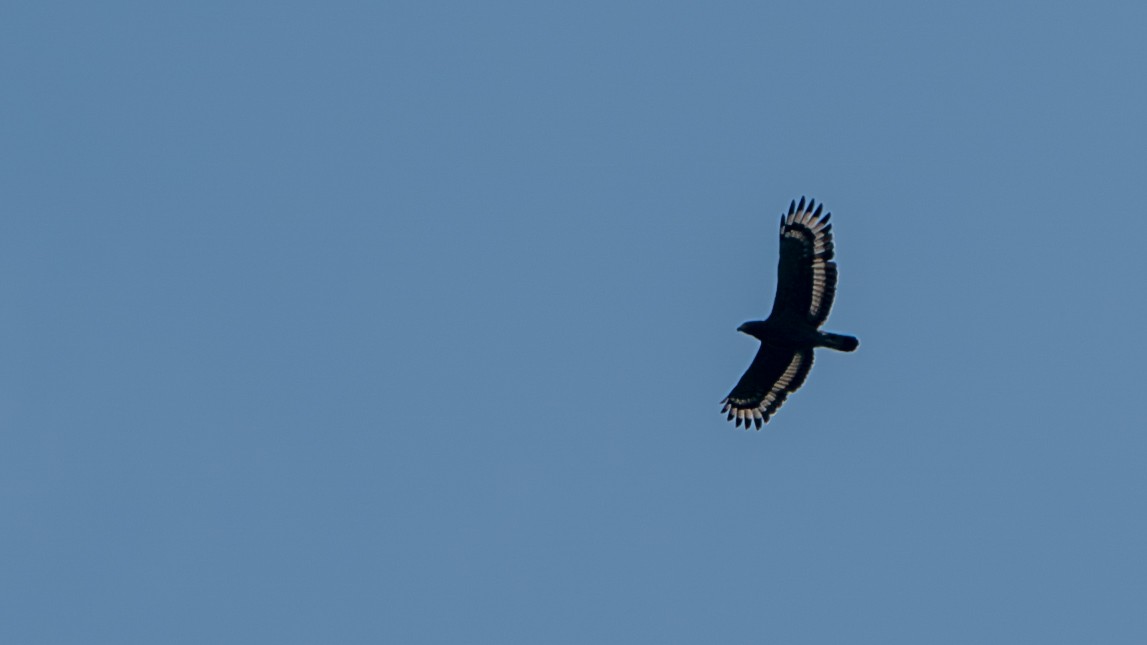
column 407, row 322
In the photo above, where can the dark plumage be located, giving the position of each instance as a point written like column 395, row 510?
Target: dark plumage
column 806, row 285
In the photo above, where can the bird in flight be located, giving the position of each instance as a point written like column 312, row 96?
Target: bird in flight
column 806, row 285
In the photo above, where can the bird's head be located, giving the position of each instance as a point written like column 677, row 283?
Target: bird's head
column 754, row 328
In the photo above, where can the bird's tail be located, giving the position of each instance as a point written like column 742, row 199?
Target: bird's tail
column 839, row 342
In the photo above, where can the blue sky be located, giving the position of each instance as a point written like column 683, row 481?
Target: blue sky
column 407, row 322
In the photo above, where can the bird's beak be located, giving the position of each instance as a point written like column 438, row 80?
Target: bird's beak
column 741, row 329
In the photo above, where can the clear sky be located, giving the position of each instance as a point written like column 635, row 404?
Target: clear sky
column 407, row 322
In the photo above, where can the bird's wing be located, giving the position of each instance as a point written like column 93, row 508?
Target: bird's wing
column 806, row 274
column 774, row 373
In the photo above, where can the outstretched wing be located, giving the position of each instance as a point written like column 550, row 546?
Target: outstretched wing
column 806, row 274
column 772, row 376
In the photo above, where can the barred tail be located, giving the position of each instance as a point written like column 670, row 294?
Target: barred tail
column 839, row 342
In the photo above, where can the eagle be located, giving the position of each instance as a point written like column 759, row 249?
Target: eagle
column 806, row 286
